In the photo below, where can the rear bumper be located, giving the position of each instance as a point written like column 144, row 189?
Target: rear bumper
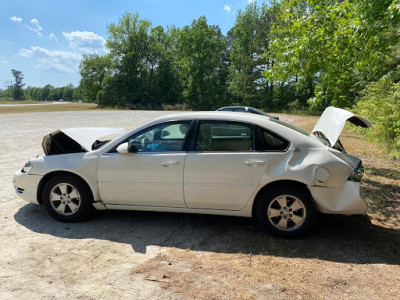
column 347, row 200
column 26, row 186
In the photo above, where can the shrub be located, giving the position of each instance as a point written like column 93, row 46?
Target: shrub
column 380, row 103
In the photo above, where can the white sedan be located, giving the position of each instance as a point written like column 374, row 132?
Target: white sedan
column 218, row 163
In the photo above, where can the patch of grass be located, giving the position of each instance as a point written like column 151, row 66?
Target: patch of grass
column 47, row 108
column 10, row 101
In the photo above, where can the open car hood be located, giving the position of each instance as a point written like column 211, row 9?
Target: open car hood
column 332, row 121
column 73, row 140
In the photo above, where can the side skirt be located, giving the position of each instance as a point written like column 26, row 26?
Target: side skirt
column 241, row 213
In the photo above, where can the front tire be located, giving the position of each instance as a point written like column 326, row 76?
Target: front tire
column 67, row 198
column 286, row 212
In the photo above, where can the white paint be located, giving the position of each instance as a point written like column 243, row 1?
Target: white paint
column 87, row 136
column 217, row 183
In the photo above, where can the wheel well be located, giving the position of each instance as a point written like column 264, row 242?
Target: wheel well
column 57, row 173
column 276, row 184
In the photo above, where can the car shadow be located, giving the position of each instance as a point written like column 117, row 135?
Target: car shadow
column 334, row 238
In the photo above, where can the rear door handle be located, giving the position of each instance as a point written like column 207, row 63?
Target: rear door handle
column 254, row 162
column 169, row 163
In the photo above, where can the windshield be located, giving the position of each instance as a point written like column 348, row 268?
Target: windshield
column 302, row 131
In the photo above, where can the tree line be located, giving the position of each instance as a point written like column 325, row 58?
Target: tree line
column 46, row 93
column 292, row 54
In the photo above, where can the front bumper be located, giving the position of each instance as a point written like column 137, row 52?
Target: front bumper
column 26, row 186
column 347, row 200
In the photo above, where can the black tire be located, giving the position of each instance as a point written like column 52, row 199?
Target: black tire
column 297, row 220
column 74, row 208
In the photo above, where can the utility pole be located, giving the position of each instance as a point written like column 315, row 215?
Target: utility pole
column 7, row 85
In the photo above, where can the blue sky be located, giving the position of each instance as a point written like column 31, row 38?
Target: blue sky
column 45, row 39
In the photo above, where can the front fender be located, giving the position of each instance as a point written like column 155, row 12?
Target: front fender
column 80, row 164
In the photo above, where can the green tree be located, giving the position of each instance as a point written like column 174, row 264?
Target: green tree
column 202, row 52
column 140, row 69
column 128, row 43
column 163, row 77
column 249, row 40
column 380, row 102
column 68, row 92
column 77, row 94
column 18, row 92
column 342, row 45
column 93, row 69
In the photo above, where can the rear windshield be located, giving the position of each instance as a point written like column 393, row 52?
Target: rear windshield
column 302, row 131
column 257, row 111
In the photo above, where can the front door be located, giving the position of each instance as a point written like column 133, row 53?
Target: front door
column 152, row 173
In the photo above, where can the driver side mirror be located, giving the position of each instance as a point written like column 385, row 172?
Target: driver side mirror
column 125, row 148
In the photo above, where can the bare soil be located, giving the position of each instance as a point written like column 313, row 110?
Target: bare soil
column 142, row 255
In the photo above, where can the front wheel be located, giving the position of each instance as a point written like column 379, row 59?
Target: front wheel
column 286, row 212
column 67, row 198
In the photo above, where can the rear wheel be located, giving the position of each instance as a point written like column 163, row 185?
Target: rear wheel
column 67, row 198
column 286, row 212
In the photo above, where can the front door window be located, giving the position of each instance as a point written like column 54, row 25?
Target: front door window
column 166, row 137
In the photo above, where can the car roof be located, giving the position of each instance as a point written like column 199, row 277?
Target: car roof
column 234, row 106
column 216, row 115
column 246, row 108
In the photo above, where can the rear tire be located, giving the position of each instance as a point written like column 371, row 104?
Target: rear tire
column 286, row 212
column 67, row 198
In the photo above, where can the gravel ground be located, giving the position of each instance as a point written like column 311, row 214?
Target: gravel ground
column 142, row 255
column 43, row 259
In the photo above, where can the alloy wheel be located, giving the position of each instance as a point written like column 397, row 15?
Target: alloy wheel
column 65, row 199
column 286, row 212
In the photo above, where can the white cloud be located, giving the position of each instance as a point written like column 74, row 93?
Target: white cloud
column 227, row 8
column 62, row 61
column 3, row 62
column 85, row 41
column 35, row 23
column 16, row 19
column 53, row 37
column 250, row 1
column 36, row 27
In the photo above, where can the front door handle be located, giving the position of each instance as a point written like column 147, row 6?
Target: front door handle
column 254, row 162
column 169, row 163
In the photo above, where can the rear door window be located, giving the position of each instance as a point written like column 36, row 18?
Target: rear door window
column 224, row 136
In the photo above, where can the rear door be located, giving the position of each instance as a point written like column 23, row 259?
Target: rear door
column 222, row 170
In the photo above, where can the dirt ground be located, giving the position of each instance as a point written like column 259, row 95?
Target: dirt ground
column 142, row 255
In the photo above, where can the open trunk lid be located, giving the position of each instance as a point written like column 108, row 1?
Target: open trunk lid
column 332, row 121
column 74, row 140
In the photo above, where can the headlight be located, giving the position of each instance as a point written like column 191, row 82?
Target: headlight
column 27, row 167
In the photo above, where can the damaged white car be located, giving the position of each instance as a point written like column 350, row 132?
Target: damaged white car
column 218, row 163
